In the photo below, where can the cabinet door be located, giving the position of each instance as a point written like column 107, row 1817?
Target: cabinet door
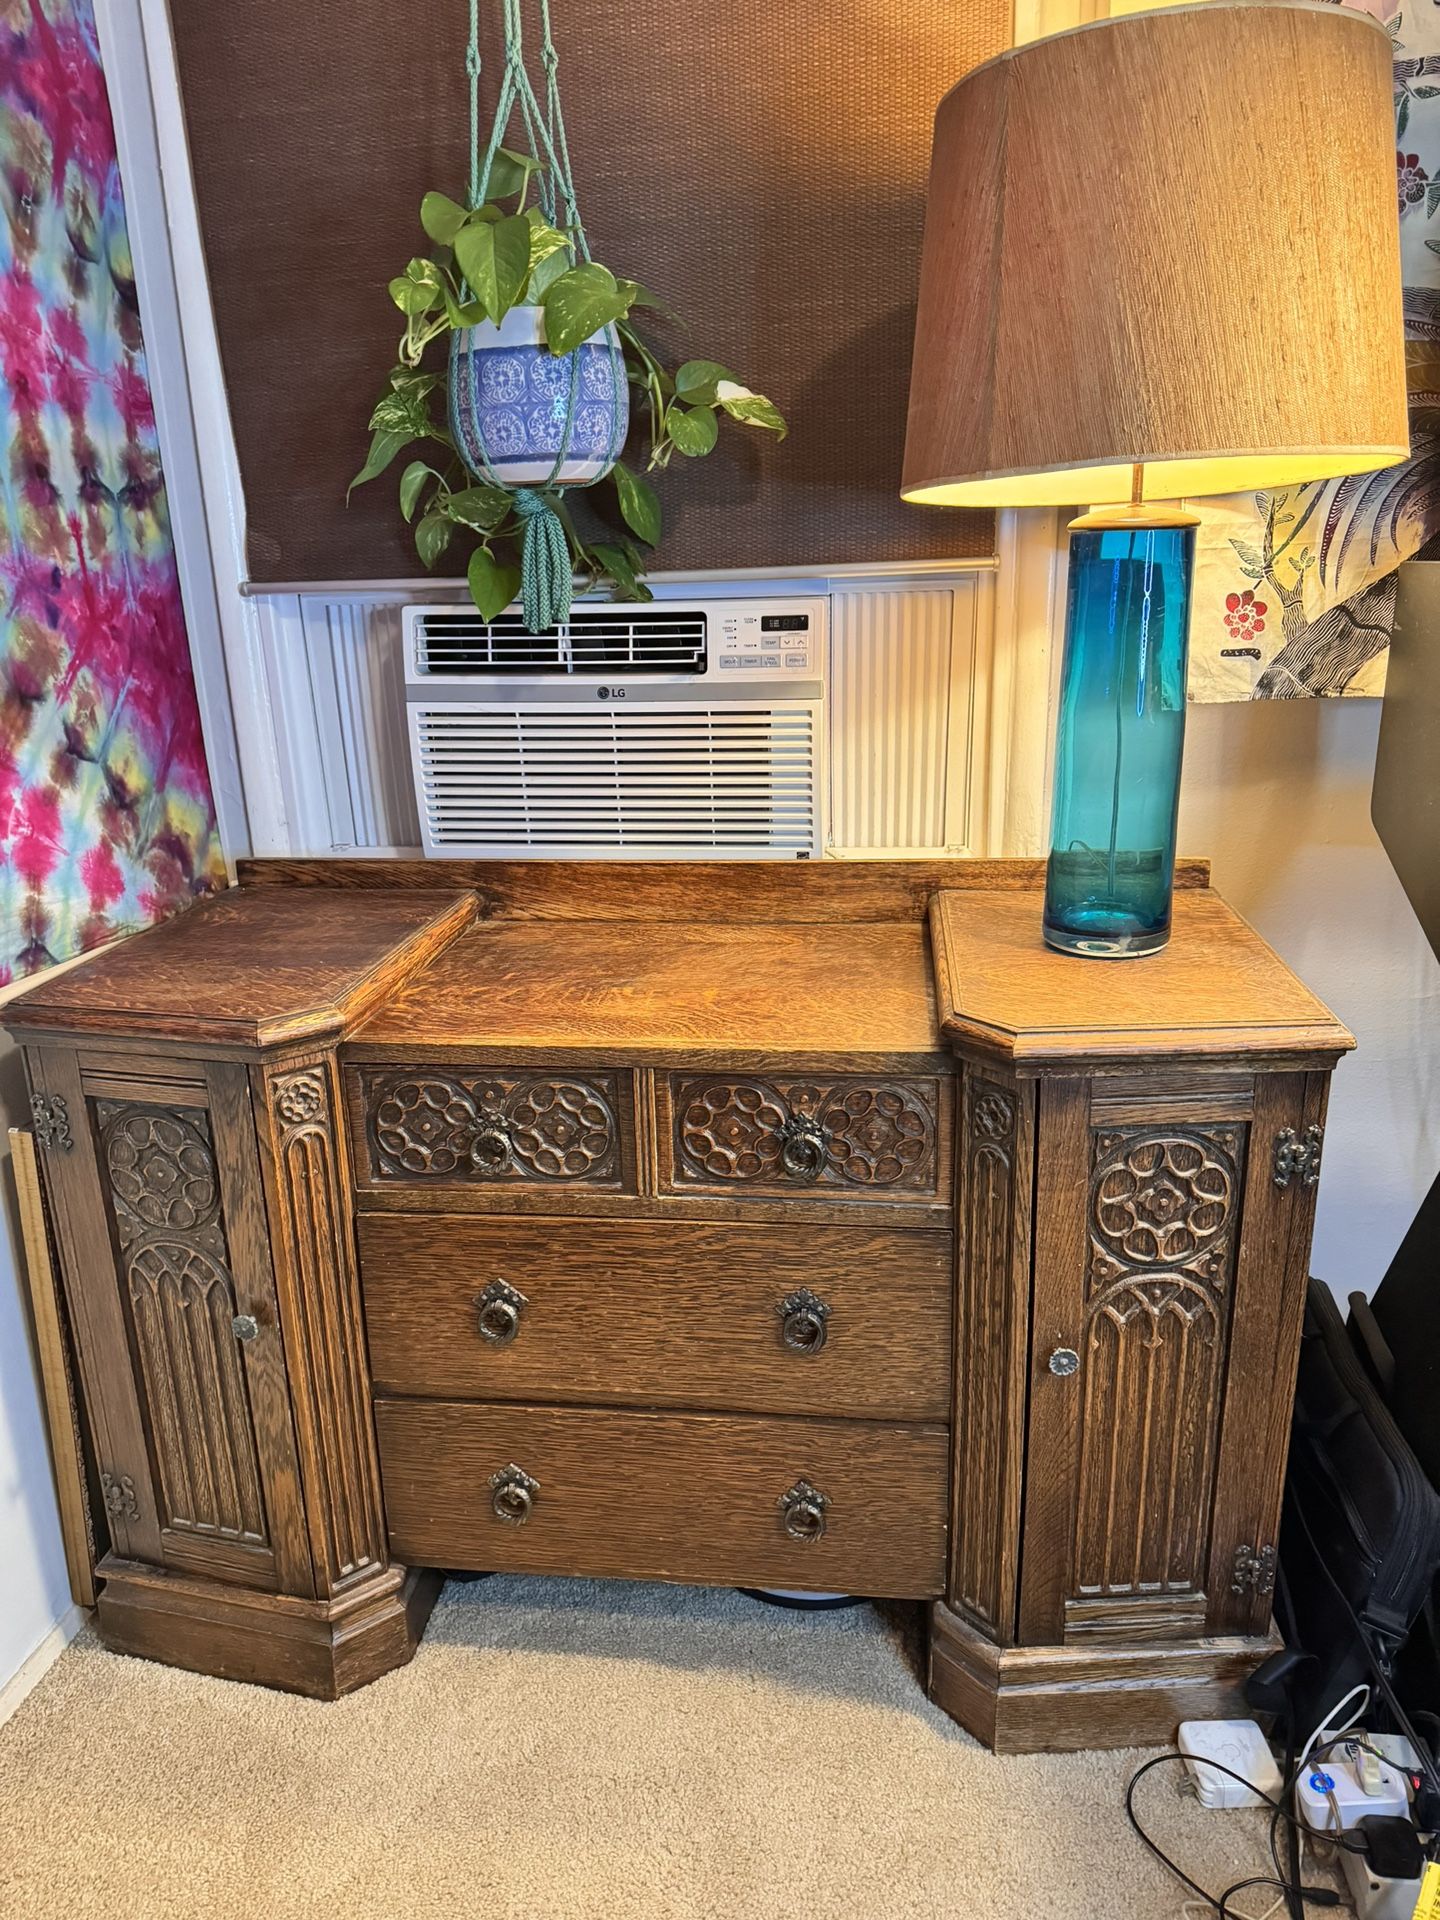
column 155, row 1187
column 1169, row 1278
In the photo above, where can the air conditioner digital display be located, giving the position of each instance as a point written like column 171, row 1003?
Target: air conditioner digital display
column 784, row 622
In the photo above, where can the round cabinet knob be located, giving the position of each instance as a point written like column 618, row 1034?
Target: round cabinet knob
column 512, row 1495
column 497, row 1312
column 803, row 1315
column 245, row 1327
column 1064, row 1361
column 802, row 1512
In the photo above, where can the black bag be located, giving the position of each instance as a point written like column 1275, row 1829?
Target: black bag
column 1360, row 1542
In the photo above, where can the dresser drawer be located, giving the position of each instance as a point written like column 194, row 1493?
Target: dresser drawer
column 840, row 1139
column 536, row 1130
column 850, row 1321
column 705, row 1498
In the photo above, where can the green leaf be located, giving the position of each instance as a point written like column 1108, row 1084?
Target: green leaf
column 495, row 260
column 642, row 297
column 544, row 276
column 492, row 587
column 383, row 448
column 407, row 380
column 411, row 297
column 509, row 172
column 412, row 485
column 754, row 410
column 544, row 239
column 694, row 431
column 482, row 508
column 441, row 217
column 620, row 566
column 579, row 303
column 639, row 504
column 432, row 536
column 696, row 382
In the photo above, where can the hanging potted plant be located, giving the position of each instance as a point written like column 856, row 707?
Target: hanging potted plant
column 543, row 356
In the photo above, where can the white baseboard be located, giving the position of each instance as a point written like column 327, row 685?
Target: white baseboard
column 34, row 1670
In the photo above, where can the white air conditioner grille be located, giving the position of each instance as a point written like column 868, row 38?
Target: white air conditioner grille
column 673, row 780
column 609, row 640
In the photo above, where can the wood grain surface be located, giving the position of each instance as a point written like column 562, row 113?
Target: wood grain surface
column 616, row 1313
column 689, row 993
column 1217, row 989
column 727, row 891
column 667, row 1496
column 251, row 966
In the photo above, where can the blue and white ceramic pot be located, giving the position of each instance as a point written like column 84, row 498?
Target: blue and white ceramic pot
column 509, row 396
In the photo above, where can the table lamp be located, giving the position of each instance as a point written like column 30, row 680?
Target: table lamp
column 1161, row 260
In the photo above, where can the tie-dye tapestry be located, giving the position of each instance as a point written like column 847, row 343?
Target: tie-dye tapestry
column 106, row 816
column 1295, row 589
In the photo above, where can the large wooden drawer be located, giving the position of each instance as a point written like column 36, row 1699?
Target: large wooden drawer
column 705, row 1498
column 849, row 1321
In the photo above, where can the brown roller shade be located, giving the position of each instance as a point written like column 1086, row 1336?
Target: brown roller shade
column 761, row 168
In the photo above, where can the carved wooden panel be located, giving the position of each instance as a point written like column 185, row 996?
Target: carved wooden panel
column 318, row 1290
column 992, row 1313
column 546, row 1129
column 869, row 1138
column 163, row 1190
column 1163, row 1229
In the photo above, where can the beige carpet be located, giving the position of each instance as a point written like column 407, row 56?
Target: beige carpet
column 561, row 1750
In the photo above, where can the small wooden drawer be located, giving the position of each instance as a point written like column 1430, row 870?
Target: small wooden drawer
column 851, row 1321
column 537, row 1129
column 840, row 1138
column 705, row 1498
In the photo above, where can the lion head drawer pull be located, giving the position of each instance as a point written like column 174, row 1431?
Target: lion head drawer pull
column 512, row 1495
column 802, row 1512
column 802, row 1321
column 804, row 1146
column 497, row 1312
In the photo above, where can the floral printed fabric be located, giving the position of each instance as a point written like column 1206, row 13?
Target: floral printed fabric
column 106, row 816
column 1295, row 590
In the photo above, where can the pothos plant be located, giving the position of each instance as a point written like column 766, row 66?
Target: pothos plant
column 484, row 262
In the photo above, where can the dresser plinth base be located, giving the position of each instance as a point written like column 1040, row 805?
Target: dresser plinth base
column 322, row 1648
column 1064, row 1699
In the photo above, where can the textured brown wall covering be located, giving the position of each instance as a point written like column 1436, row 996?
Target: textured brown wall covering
column 761, row 167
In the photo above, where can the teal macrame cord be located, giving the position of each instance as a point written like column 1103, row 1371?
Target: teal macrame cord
column 546, row 567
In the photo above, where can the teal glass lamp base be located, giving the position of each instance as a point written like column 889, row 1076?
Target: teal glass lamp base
column 1120, row 734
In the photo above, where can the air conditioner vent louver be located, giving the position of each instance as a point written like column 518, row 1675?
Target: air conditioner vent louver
column 607, row 639
column 664, row 782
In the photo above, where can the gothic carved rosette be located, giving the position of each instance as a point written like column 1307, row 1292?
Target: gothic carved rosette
column 539, row 1129
column 855, row 1135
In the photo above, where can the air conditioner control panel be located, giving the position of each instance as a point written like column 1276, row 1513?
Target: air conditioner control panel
column 774, row 638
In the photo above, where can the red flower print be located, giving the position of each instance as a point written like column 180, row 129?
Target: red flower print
column 1244, row 615
column 1411, row 178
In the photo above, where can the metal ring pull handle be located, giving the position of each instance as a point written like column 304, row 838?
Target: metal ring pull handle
column 803, row 1315
column 512, row 1495
column 497, row 1312
column 804, row 1146
column 802, row 1512
column 491, row 1146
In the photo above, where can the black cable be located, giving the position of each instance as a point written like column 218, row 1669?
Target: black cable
column 1382, row 1679
column 1320, row 1896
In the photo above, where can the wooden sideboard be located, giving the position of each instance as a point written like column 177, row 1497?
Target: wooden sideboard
column 806, row 1227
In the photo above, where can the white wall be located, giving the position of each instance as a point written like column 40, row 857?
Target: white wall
column 34, row 1587
column 1278, row 794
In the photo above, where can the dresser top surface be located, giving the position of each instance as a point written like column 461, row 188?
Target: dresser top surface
column 251, row 967
column 1216, row 989
column 675, row 990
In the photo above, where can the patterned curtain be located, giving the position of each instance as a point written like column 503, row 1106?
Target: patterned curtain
column 1295, row 590
column 106, row 816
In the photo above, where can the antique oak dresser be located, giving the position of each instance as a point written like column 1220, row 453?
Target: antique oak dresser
column 810, row 1228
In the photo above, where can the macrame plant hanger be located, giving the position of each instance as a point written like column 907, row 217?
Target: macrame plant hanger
column 546, row 570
